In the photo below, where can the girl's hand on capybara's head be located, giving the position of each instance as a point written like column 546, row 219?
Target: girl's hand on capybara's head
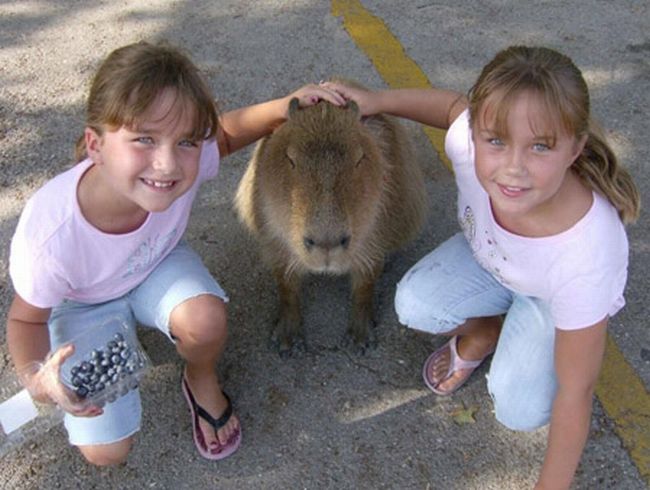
column 312, row 94
column 364, row 98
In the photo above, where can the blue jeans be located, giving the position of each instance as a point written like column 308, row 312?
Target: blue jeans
column 179, row 277
column 447, row 287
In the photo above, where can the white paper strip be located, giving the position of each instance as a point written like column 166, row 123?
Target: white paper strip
column 17, row 411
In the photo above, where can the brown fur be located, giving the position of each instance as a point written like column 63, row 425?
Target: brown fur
column 329, row 193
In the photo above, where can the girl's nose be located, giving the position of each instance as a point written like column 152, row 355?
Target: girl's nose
column 164, row 161
column 515, row 163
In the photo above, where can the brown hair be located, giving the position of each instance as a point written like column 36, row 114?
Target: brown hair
column 564, row 93
column 133, row 76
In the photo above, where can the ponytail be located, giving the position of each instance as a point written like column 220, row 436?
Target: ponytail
column 599, row 169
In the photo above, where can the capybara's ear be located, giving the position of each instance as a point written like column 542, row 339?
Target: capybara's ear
column 294, row 105
column 352, row 106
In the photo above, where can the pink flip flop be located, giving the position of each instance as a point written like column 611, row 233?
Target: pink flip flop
column 455, row 364
column 215, row 451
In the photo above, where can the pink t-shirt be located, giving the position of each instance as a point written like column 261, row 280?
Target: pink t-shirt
column 581, row 272
column 56, row 254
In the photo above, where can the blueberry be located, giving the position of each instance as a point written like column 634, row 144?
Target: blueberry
column 85, row 367
column 82, row 391
column 115, row 358
column 111, row 344
column 74, row 370
column 100, row 386
column 119, row 337
column 76, row 381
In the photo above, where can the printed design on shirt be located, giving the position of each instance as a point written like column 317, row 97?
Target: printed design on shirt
column 491, row 256
column 468, row 225
column 148, row 253
column 494, row 257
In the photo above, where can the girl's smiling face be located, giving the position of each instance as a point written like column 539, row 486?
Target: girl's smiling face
column 523, row 165
column 148, row 167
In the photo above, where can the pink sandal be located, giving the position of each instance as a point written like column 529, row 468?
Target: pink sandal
column 215, row 451
column 455, row 364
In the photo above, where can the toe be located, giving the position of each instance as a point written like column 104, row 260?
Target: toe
column 228, row 431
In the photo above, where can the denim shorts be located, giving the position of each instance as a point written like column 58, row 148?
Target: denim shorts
column 179, row 277
column 447, row 287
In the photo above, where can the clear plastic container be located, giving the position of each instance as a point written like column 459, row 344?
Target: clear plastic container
column 21, row 418
column 107, row 363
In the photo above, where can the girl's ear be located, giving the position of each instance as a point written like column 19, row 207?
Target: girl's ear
column 580, row 145
column 93, row 145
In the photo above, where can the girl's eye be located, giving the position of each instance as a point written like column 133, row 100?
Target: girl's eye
column 495, row 141
column 147, row 140
column 188, row 143
column 541, row 147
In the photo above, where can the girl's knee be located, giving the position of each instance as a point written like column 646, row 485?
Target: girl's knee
column 415, row 311
column 519, row 410
column 200, row 320
column 107, row 454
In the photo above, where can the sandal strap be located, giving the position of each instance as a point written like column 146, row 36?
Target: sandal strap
column 203, row 413
column 457, row 362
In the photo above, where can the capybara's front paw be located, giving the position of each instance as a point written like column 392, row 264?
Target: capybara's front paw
column 287, row 338
column 361, row 336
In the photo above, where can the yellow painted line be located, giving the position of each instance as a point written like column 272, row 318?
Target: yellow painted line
column 627, row 402
column 374, row 38
column 621, row 392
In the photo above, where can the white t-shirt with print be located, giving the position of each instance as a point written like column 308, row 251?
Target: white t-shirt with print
column 56, row 254
column 581, row 272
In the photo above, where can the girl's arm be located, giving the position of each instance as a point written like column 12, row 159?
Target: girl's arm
column 243, row 126
column 28, row 340
column 578, row 358
column 27, row 335
column 431, row 106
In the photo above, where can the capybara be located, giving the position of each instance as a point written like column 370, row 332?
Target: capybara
column 331, row 192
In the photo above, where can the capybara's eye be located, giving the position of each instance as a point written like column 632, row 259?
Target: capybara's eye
column 358, row 156
column 292, row 156
column 309, row 242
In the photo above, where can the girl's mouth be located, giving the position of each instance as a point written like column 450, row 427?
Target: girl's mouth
column 159, row 184
column 511, row 191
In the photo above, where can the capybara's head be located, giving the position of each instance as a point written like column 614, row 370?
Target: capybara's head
column 322, row 177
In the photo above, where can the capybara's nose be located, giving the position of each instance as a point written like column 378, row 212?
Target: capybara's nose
column 327, row 243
